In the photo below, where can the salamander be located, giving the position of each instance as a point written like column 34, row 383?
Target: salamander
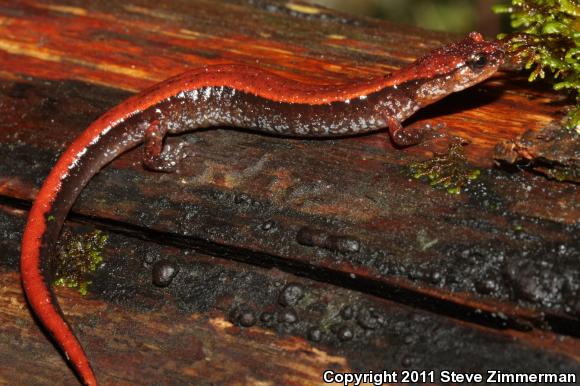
column 233, row 95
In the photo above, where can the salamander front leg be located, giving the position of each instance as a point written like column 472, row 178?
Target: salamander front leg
column 158, row 158
column 406, row 136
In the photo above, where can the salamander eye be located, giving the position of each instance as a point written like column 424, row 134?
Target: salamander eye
column 479, row 61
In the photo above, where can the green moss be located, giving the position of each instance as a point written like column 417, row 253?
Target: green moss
column 78, row 256
column 561, row 174
column 449, row 171
column 548, row 41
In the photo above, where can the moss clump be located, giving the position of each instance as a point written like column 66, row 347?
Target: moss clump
column 77, row 257
column 562, row 174
column 449, row 171
column 548, row 40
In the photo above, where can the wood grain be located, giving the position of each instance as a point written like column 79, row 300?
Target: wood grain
column 190, row 332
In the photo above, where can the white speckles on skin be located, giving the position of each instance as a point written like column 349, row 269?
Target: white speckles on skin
column 206, row 93
column 106, row 130
column 432, row 90
column 75, row 162
column 84, row 150
column 210, row 106
column 406, row 110
column 467, row 80
column 218, row 92
column 435, row 89
column 194, row 95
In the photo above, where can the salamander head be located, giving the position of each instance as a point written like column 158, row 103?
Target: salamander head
column 452, row 68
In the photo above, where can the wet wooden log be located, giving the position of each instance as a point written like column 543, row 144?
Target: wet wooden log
column 499, row 261
column 220, row 321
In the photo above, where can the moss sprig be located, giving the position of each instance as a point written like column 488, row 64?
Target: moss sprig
column 547, row 41
column 449, row 171
column 77, row 257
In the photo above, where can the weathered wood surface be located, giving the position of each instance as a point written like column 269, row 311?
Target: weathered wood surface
column 189, row 333
column 500, row 261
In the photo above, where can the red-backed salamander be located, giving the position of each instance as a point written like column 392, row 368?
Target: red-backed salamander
column 238, row 96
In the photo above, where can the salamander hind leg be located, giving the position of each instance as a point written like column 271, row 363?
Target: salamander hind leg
column 406, row 136
column 157, row 157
